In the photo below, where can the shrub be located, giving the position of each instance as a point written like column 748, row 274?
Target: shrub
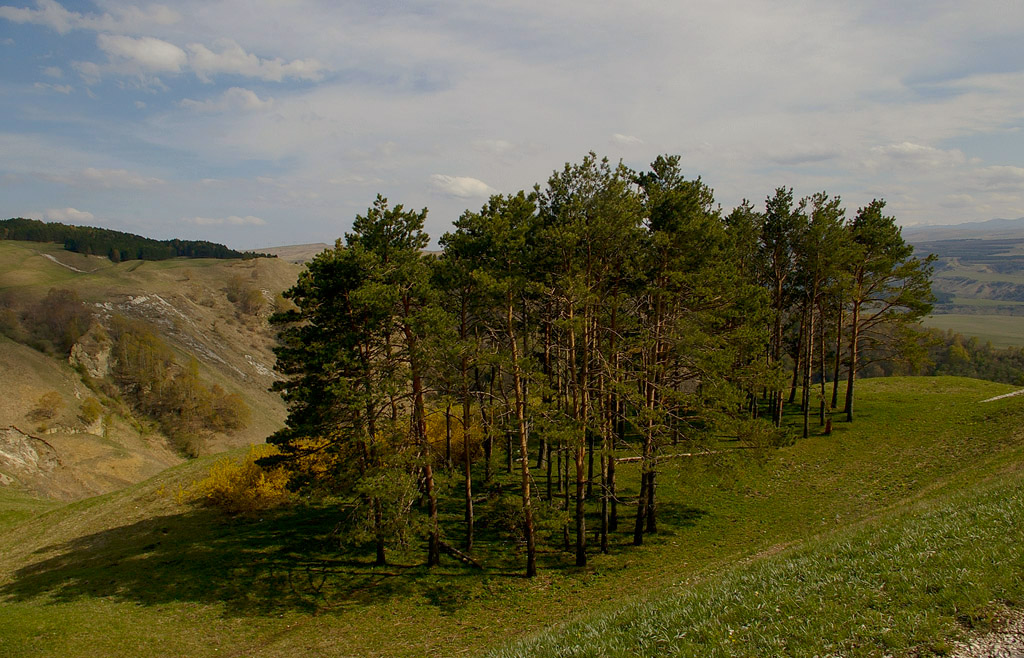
column 58, row 320
column 251, row 301
column 242, row 486
column 90, row 411
column 46, row 407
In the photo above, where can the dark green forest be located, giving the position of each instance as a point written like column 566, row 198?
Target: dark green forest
column 115, row 245
column 608, row 316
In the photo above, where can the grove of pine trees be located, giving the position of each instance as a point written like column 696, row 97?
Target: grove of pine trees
column 594, row 324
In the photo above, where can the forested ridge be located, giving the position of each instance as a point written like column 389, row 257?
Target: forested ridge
column 610, row 316
column 116, row 245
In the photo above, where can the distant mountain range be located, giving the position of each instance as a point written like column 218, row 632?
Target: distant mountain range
column 992, row 229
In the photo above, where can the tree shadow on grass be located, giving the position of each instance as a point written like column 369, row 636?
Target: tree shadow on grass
column 676, row 516
column 284, row 561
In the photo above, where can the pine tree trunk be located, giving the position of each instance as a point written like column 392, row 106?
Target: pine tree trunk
column 641, row 509
column 448, row 435
column 839, row 357
column 652, row 502
column 808, row 362
column 613, row 518
column 797, row 362
column 524, row 452
column 854, row 337
column 821, row 363
column 467, row 457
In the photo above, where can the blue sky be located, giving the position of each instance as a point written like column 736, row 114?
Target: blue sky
column 269, row 123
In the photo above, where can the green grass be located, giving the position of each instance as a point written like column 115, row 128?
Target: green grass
column 907, row 583
column 1002, row 330
column 137, row 573
column 17, row 506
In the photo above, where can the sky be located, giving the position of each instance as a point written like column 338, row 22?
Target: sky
column 270, row 123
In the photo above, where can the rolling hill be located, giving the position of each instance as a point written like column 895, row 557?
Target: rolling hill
column 185, row 304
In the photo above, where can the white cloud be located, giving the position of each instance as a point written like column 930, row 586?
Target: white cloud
column 90, row 72
column 495, row 146
column 463, row 187
column 49, row 13
column 140, row 105
column 53, row 72
column 958, row 201
column 143, row 54
column 1001, row 177
column 232, row 59
column 357, row 180
column 53, row 15
column 916, row 155
column 232, row 220
column 92, row 177
column 60, row 89
column 68, row 215
column 626, row 140
column 235, row 99
column 117, row 178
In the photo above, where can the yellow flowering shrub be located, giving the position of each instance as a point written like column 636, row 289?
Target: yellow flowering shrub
column 243, row 486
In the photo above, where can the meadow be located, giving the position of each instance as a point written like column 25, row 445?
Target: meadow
column 912, row 507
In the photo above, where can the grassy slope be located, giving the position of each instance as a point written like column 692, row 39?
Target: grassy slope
column 196, row 313
column 1002, row 330
column 136, row 573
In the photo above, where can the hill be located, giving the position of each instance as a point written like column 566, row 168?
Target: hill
column 893, row 536
column 979, row 278
column 115, row 245
column 185, row 305
column 297, row 253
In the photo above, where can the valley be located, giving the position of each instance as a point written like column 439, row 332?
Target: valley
column 185, row 304
column 978, row 279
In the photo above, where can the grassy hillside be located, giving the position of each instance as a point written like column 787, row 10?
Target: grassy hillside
column 139, row 573
column 186, row 304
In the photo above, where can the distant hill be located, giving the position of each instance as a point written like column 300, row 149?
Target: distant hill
column 992, row 229
column 116, row 245
column 979, row 277
column 297, row 253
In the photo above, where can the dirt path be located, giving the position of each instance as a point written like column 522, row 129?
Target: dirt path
column 1005, row 395
column 70, row 267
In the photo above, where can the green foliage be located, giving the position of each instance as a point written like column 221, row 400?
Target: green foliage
column 90, row 410
column 145, row 370
column 116, row 245
column 952, row 353
column 353, row 355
